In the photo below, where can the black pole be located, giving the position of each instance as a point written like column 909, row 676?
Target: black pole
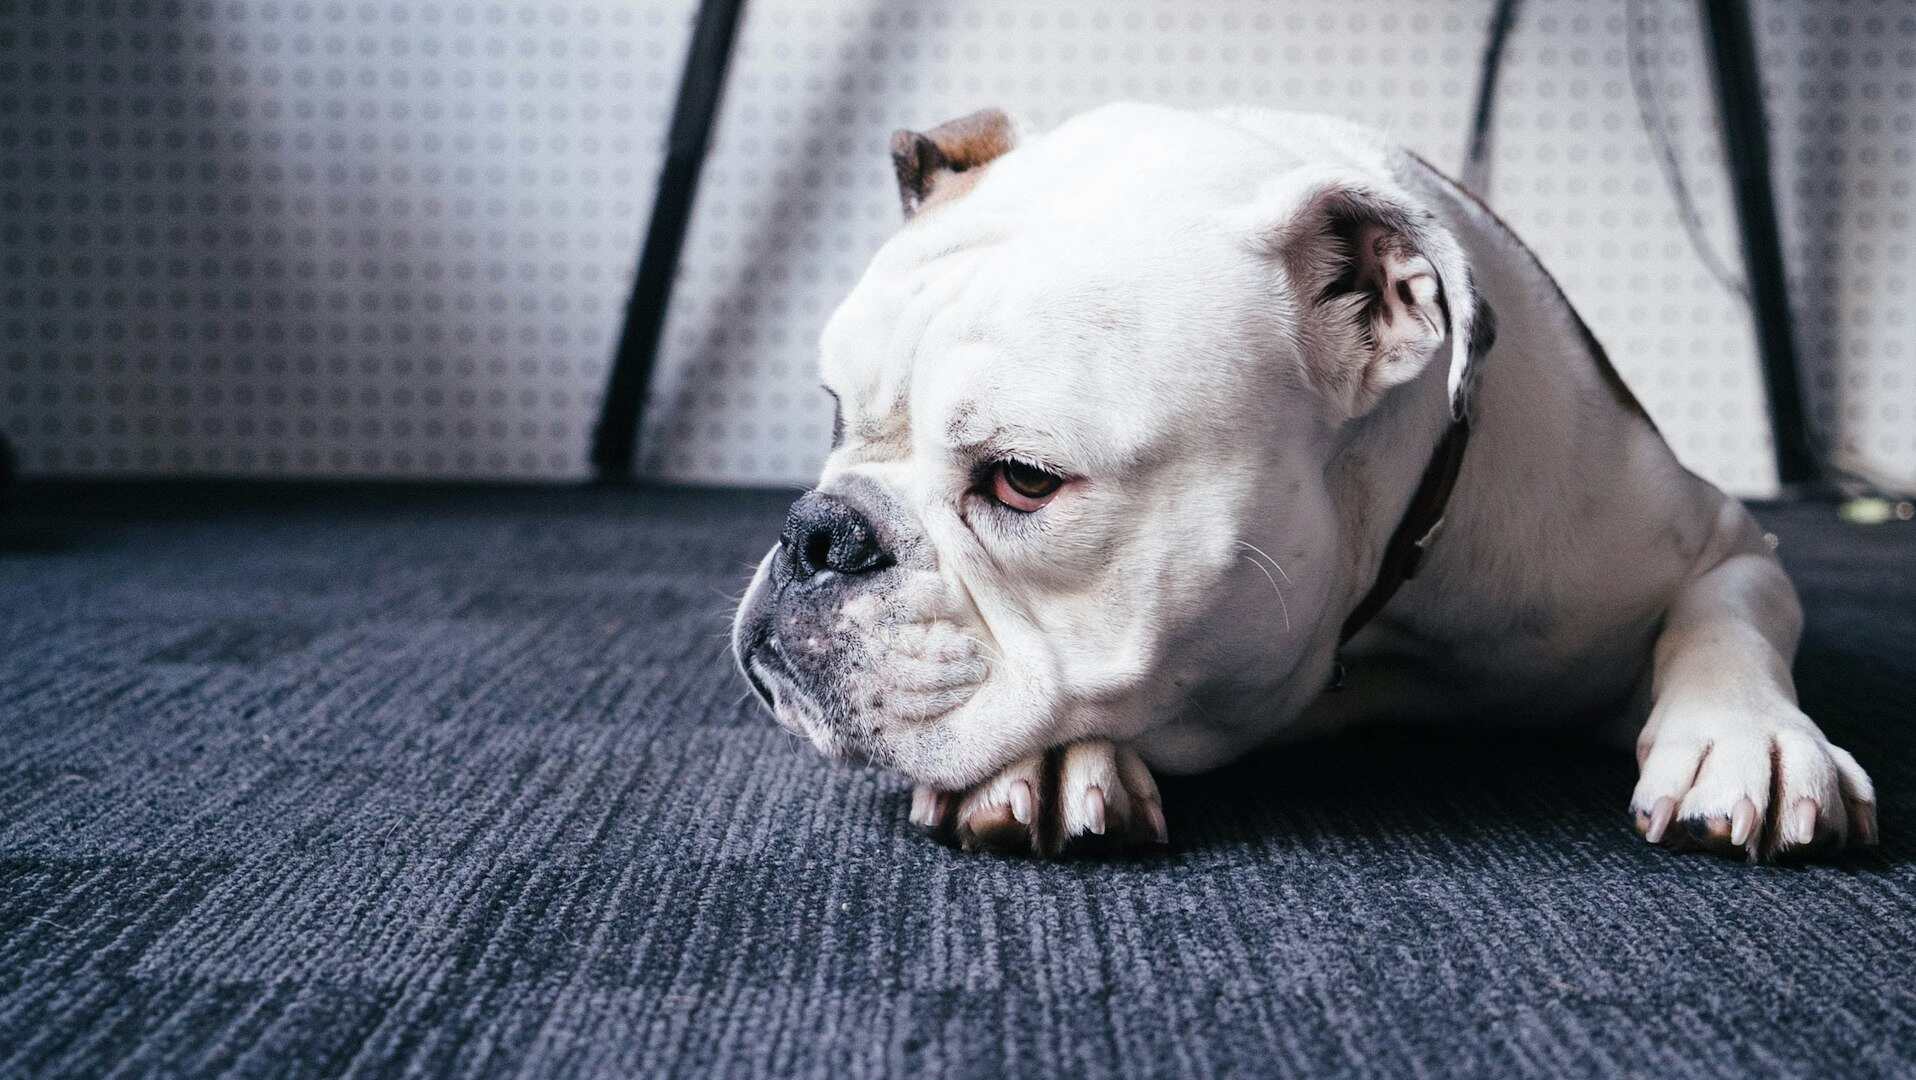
column 1476, row 171
column 617, row 434
column 1739, row 96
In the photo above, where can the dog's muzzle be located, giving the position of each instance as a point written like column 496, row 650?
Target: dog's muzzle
column 787, row 641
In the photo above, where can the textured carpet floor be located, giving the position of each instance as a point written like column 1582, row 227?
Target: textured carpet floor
column 412, row 782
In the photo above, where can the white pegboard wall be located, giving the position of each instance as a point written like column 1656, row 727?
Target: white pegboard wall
column 1841, row 95
column 321, row 237
column 312, row 237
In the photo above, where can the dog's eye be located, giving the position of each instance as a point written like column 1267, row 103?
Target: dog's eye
column 1023, row 487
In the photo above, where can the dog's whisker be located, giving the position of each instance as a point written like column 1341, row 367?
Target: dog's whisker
column 1274, row 563
column 990, row 653
column 1281, row 604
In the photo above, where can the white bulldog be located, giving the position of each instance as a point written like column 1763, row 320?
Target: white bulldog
column 1146, row 429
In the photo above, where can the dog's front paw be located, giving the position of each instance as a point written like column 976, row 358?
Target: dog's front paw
column 1090, row 796
column 1762, row 790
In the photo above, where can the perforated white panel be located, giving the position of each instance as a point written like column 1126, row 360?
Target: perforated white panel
column 321, row 237
column 1841, row 82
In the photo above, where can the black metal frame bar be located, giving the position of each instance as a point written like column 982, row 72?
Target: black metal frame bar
column 621, row 410
column 1739, row 97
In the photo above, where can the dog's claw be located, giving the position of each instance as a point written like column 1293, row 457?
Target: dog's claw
column 1803, row 821
column 1864, row 815
column 1660, row 816
column 930, row 808
column 1154, row 815
column 1021, row 800
column 1094, row 809
column 1743, row 823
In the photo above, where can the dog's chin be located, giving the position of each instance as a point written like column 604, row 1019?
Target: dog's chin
column 917, row 747
column 800, row 713
column 890, row 704
column 777, row 687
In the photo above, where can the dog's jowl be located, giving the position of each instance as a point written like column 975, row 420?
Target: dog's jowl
column 1153, row 425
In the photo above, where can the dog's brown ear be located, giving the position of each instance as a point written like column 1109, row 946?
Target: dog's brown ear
column 942, row 163
column 1381, row 286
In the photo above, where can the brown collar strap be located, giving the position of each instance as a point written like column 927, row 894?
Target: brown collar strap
column 1421, row 521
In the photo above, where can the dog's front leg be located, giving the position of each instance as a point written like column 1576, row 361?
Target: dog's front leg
column 1729, row 763
column 1086, row 796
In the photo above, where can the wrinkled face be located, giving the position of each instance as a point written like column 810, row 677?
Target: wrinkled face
column 1075, row 490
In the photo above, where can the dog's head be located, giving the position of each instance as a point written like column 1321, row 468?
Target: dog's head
column 1087, row 398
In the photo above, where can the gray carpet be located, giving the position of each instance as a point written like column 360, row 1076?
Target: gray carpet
column 397, row 781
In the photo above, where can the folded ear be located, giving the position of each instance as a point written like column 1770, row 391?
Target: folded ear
column 1381, row 287
column 943, row 163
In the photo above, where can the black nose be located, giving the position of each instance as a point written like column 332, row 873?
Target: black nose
column 825, row 533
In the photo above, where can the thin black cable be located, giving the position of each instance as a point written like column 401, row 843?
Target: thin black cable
column 1656, row 126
